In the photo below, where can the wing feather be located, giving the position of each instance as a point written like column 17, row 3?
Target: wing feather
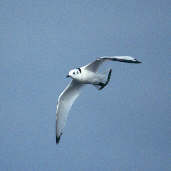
column 99, row 61
column 65, row 101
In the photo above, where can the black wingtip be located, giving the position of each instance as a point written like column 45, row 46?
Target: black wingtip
column 137, row 62
column 58, row 139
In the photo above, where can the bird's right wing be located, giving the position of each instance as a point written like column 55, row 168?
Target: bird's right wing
column 65, row 101
column 93, row 66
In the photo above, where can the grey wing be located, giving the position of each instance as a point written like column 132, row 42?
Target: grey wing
column 99, row 61
column 65, row 101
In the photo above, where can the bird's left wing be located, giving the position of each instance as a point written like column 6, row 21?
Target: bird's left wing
column 93, row 66
column 65, row 101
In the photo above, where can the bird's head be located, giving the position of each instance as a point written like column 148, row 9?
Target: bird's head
column 74, row 73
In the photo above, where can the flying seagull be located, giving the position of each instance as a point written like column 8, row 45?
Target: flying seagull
column 80, row 77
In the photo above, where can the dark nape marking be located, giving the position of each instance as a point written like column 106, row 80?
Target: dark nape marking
column 79, row 69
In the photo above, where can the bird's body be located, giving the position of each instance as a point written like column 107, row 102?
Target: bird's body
column 89, row 77
column 80, row 77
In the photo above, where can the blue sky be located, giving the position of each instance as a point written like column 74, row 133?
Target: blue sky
column 124, row 127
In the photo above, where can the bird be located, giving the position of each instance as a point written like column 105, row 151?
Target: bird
column 80, row 77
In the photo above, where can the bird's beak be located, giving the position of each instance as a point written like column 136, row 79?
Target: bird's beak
column 67, row 76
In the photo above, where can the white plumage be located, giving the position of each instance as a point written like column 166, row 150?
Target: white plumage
column 81, row 76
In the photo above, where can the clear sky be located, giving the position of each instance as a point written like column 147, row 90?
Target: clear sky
column 124, row 127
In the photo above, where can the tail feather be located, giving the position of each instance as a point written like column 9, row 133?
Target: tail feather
column 101, row 85
column 107, row 81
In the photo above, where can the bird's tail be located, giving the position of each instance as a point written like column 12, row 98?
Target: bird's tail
column 103, row 83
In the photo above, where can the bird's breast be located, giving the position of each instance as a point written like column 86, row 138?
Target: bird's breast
column 87, row 77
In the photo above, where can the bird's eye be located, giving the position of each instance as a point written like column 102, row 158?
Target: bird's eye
column 73, row 72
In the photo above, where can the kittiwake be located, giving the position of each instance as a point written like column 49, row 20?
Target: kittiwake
column 80, row 77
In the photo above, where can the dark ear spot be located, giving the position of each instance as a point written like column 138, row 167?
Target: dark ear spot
column 79, row 69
